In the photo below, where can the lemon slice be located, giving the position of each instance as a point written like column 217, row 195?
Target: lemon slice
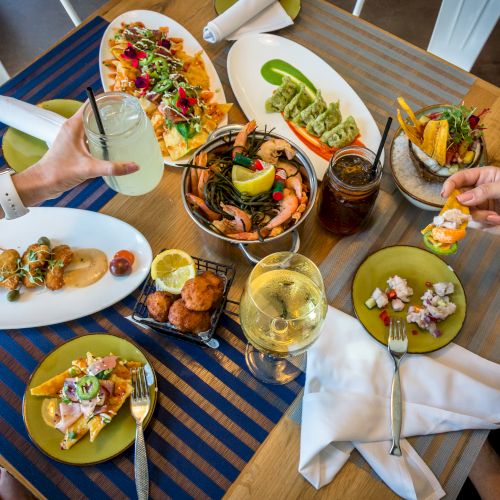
column 171, row 269
column 252, row 183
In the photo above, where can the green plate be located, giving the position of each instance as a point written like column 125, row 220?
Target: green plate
column 22, row 150
column 292, row 7
column 115, row 437
column 417, row 266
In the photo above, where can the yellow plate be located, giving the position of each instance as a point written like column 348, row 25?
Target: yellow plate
column 21, row 150
column 292, row 7
column 115, row 437
column 417, row 266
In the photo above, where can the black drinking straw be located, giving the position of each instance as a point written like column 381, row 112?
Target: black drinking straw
column 381, row 147
column 98, row 120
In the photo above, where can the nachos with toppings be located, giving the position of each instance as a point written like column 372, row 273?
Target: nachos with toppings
column 173, row 86
column 85, row 397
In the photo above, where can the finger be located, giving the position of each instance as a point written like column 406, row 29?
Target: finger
column 484, row 215
column 464, row 178
column 99, row 168
column 75, row 122
column 480, row 194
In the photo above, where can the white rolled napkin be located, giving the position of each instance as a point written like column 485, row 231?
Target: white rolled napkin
column 247, row 16
column 30, row 119
column 346, row 405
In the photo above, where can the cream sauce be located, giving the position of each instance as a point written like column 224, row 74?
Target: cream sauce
column 88, row 266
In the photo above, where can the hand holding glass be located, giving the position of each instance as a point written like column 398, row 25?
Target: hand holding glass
column 129, row 136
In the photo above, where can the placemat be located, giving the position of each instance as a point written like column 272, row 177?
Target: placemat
column 396, row 222
column 64, row 73
column 211, row 415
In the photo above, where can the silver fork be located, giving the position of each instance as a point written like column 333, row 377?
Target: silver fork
column 398, row 347
column 139, row 407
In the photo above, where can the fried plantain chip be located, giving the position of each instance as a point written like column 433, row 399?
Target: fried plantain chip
column 416, row 122
column 441, row 141
column 430, row 133
column 410, row 132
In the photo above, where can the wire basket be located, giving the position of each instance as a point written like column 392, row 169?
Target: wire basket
column 140, row 312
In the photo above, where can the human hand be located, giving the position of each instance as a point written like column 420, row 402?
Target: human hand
column 65, row 165
column 482, row 192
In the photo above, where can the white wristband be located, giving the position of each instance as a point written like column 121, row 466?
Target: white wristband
column 10, row 201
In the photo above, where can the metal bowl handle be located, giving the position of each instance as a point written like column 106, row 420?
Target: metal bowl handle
column 254, row 260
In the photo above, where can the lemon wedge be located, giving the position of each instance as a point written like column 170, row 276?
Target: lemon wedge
column 171, row 269
column 252, row 183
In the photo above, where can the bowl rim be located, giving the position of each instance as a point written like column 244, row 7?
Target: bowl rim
column 219, row 134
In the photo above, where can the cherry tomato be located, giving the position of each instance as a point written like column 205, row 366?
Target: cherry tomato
column 120, row 266
column 125, row 254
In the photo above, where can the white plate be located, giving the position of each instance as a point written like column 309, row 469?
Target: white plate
column 155, row 20
column 244, row 62
column 78, row 229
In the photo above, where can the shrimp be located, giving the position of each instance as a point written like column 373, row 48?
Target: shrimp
column 248, row 236
column 241, row 222
column 240, row 142
column 203, row 176
column 199, row 203
column 288, row 206
column 293, row 177
column 271, row 150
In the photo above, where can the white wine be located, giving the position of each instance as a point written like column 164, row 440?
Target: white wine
column 129, row 138
column 282, row 312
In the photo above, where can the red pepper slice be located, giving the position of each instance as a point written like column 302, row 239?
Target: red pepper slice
column 385, row 317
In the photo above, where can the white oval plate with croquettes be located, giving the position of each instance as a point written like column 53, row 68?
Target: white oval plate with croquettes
column 79, row 229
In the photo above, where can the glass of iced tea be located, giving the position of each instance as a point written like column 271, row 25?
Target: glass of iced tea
column 349, row 190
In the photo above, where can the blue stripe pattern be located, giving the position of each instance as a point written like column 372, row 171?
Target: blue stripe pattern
column 65, row 72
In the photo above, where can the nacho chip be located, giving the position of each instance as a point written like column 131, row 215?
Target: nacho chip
column 52, row 386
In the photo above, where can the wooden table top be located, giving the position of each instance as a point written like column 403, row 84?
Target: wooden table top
column 272, row 472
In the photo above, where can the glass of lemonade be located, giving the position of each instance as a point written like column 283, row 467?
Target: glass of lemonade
column 282, row 310
column 129, row 137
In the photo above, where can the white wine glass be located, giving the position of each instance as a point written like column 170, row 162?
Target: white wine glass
column 282, row 310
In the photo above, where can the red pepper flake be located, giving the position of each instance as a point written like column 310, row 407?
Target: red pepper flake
column 414, row 332
column 428, row 284
column 392, row 294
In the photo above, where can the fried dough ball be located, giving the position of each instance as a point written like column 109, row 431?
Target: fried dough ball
column 9, row 261
column 216, row 282
column 202, row 292
column 159, row 304
column 61, row 257
column 34, row 262
column 186, row 320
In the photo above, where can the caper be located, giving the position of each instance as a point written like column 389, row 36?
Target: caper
column 13, row 295
column 44, row 241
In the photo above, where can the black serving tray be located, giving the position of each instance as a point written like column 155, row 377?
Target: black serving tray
column 140, row 312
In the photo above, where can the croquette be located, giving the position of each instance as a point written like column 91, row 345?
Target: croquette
column 186, row 320
column 159, row 304
column 202, row 292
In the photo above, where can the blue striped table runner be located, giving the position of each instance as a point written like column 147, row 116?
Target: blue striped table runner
column 211, row 415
